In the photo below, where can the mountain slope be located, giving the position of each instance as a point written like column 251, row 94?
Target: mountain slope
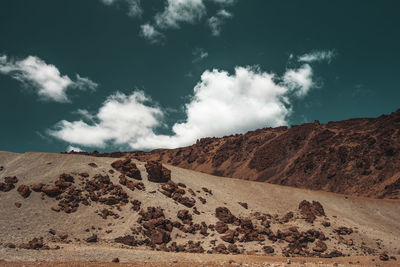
column 226, row 215
column 356, row 156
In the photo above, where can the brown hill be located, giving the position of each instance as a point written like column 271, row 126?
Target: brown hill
column 81, row 208
column 356, row 156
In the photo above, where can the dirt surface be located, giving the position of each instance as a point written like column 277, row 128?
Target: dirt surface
column 356, row 157
column 63, row 219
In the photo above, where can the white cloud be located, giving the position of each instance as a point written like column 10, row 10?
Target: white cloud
column 221, row 104
column 46, row 79
column 151, row 34
column 134, row 7
column 178, row 11
column 299, row 80
column 121, row 120
column 215, row 22
column 73, row 148
column 317, row 56
column 199, row 54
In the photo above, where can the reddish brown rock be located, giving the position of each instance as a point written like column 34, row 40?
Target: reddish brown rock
column 221, row 227
column 52, row 191
column 128, row 168
column 35, row 243
column 224, row 215
column 185, row 216
column 310, row 211
column 24, row 191
column 229, row 236
column 244, row 205
column 157, row 173
column 37, row 187
column 93, row 165
column 18, row 205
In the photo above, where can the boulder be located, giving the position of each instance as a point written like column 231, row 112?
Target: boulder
column 157, row 173
column 24, row 191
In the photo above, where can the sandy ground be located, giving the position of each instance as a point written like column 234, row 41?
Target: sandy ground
column 376, row 222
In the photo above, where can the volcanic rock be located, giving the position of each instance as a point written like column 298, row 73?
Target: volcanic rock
column 311, row 210
column 24, row 191
column 128, row 168
column 224, row 215
column 157, row 173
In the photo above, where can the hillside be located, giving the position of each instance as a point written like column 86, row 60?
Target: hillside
column 83, row 208
column 355, row 157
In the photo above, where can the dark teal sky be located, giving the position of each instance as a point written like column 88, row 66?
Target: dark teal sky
column 103, row 43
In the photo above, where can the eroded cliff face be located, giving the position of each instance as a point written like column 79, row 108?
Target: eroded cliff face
column 356, row 156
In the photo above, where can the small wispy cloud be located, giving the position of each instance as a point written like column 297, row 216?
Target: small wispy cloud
column 134, row 7
column 73, row 148
column 45, row 79
column 151, row 34
column 199, row 54
column 215, row 22
column 317, row 56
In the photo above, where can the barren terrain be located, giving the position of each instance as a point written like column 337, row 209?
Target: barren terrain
column 68, row 208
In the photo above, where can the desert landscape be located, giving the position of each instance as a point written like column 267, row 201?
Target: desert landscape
column 136, row 209
column 199, row 133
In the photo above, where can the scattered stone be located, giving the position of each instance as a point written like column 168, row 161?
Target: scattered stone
column 185, row 216
column 268, row 249
column 8, row 184
column 116, row 260
column 55, row 208
column 384, row 257
column 24, row 191
column 244, row 205
column 35, row 243
column 93, row 165
column 37, row 187
column 52, row 232
column 18, row 205
column 343, row 230
column 92, row 239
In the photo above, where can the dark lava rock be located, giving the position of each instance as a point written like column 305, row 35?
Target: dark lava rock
column 116, row 260
column 127, row 240
column 92, row 239
column 343, row 230
column 52, row 191
column 268, row 249
column 35, row 243
column 384, row 257
column 37, row 187
column 185, row 216
column 157, row 173
column 18, row 205
column 311, row 210
column 93, row 165
column 221, row 227
column 8, row 183
column 128, row 168
column 244, row 205
column 224, row 215
column 24, row 191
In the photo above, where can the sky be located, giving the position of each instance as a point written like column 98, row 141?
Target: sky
column 121, row 75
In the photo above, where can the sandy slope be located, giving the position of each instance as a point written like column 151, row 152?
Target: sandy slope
column 376, row 222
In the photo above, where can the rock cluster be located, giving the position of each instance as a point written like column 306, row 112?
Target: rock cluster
column 24, row 191
column 98, row 189
column 157, row 173
column 310, row 211
column 8, row 183
column 172, row 190
column 128, row 168
column 35, row 243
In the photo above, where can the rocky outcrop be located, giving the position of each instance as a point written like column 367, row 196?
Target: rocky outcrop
column 128, row 168
column 24, row 191
column 357, row 156
column 310, row 211
column 157, row 173
column 8, row 183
